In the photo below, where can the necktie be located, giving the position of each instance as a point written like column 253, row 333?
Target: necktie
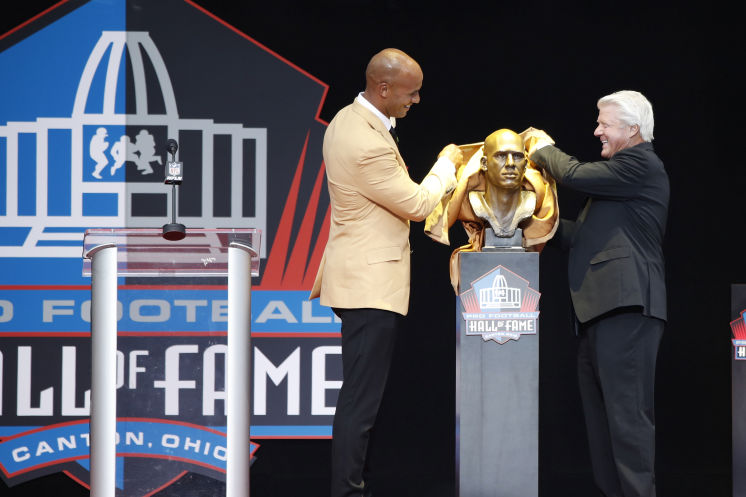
column 392, row 130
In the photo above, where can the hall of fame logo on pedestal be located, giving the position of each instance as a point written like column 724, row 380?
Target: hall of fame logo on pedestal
column 500, row 306
column 738, row 327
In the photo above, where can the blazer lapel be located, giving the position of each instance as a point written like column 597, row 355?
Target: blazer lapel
column 379, row 127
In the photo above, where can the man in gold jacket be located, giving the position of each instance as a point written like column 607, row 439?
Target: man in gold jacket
column 364, row 274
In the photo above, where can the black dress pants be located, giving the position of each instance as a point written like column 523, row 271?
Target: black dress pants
column 616, row 371
column 368, row 337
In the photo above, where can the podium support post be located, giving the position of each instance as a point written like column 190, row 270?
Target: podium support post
column 103, row 422
column 238, row 368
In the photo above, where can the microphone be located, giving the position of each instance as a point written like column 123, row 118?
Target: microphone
column 174, row 169
column 172, row 147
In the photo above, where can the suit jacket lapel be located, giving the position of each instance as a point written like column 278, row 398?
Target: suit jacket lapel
column 377, row 125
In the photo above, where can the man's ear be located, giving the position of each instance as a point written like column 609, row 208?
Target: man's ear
column 633, row 130
column 483, row 162
column 383, row 89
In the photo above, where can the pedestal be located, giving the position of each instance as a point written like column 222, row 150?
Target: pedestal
column 497, row 368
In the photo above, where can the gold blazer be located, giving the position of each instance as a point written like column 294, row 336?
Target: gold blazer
column 366, row 259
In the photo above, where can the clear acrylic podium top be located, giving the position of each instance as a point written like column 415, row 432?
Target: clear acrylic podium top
column 144, row 252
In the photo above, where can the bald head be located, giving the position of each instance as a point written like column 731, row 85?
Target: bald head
column 392, row 82
column 386, row 65
column 503, row 140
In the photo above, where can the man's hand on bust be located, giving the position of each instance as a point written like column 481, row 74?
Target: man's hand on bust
column 453, row 153
column 448, row 160
column 535, row 139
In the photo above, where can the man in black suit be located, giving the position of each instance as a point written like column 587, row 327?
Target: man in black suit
column 617, row 285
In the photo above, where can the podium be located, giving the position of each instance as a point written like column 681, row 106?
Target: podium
column 497, row 374
column 111, row 253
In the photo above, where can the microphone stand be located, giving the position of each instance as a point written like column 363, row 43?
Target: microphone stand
column 173, row 231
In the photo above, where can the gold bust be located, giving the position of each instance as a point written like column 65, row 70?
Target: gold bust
column 498, row 188
column 503, row 204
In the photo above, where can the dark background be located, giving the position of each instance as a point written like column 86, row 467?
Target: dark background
column 489, row 65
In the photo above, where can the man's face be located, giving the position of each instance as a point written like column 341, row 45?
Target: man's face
column 614, row 134
column 403, row 91
column 505, row 160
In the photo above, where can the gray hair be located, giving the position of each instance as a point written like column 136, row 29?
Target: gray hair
column 634, row 108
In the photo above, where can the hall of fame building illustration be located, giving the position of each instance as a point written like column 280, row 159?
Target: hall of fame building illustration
column 93, row 168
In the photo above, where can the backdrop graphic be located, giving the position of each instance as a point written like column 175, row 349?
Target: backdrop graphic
column 570, row 55
column 83, row 130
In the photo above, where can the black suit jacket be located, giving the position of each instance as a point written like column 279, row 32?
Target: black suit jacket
column 616, row 255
